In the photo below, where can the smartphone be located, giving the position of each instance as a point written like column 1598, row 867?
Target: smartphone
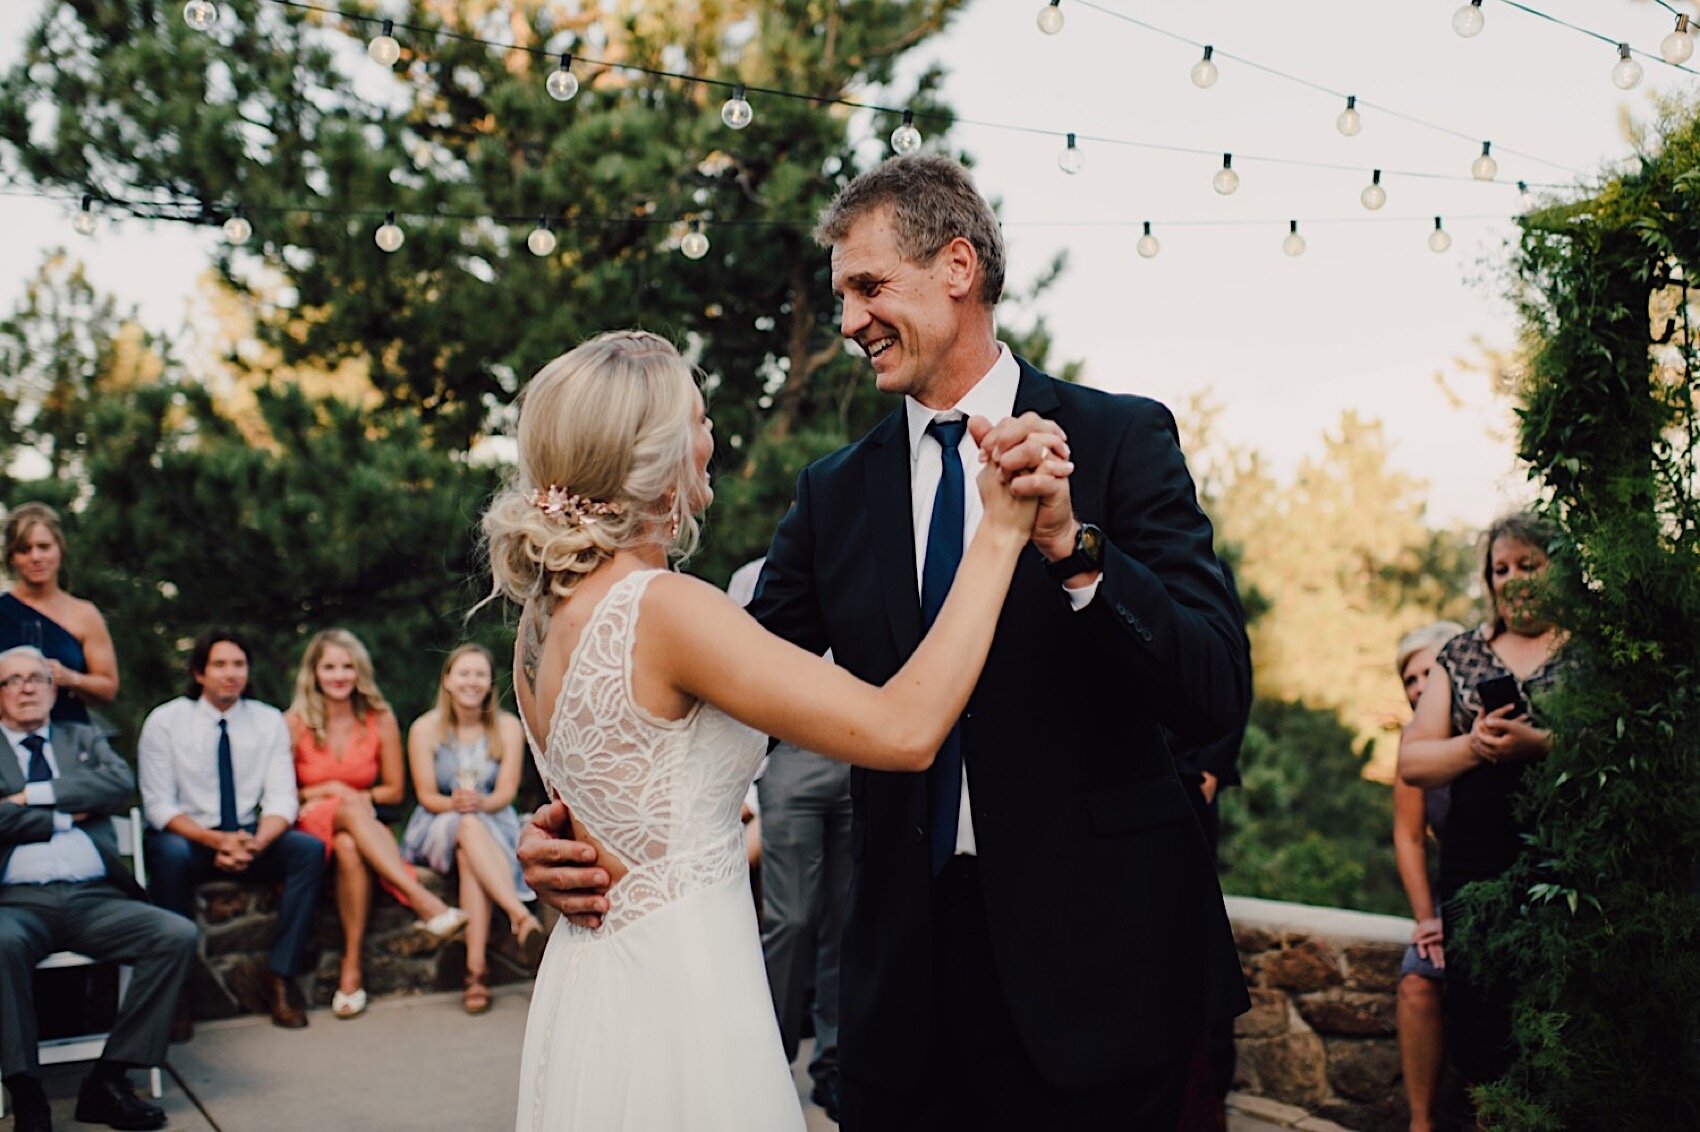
column 1498, row 691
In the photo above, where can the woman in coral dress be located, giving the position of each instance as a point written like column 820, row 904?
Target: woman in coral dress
column 347, row 748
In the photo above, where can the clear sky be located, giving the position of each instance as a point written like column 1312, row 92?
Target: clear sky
column 1364, row 320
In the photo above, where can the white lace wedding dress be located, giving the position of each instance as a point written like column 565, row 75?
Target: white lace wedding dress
column 661, row 1019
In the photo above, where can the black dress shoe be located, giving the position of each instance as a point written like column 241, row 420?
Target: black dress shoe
column 30, row 1112
column 826, row 1096
column 32, row 1119
column 113, row 1102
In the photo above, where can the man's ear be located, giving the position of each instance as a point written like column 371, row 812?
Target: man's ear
column 962, row 267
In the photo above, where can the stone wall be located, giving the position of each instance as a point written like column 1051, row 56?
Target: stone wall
column 237, row 922
column 1321, row 1030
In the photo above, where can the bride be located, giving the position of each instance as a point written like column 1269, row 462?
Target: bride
column 648, row 697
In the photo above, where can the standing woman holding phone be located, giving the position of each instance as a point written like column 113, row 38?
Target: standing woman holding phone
column 1474, row 730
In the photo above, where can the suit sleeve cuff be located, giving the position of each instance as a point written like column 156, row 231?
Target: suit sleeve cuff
column 1082, row 597
column 62, row 823
column 40, row 794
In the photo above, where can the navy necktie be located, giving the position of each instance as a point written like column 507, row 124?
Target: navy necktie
column 938, row 570
column 39, row 770
column 226, row 781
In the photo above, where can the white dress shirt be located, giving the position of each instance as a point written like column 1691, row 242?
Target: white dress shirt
column 177, row 762
column 992, row 397
column 70, row 855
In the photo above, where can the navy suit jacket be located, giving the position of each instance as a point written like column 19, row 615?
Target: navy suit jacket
column 1107, row 925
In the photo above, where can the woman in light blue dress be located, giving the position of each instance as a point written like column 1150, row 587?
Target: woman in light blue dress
column 466, row 756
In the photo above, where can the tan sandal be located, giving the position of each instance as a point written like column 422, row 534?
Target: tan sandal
column 476, row 997
column 530, row 937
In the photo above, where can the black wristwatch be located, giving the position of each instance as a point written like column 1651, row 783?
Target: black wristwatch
column 1088, row 555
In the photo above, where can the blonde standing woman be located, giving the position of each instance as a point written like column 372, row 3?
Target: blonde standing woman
column 347, row 748
column 648, row 696
column 466, row 755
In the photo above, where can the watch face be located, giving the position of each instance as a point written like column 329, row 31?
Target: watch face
column 1092, row 542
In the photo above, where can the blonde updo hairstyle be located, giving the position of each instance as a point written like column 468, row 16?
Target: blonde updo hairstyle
column 610, row 422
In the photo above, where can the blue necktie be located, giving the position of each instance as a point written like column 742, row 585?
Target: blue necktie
column 39, row 770
column 938, row 570
column 227, row 822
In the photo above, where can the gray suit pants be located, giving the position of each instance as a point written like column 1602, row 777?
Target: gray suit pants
column 805, row 881
column 101, row 921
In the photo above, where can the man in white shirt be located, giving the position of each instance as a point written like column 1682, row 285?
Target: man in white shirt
column 218, row 790
column 64, row 887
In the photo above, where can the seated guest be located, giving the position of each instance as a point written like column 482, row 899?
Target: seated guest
column 347, row 748
column 466, row 755
column 218, row 791
column 64, row 887
column 34, row 610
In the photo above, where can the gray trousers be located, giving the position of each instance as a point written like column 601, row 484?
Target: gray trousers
column 805, row 881
column 99, row 920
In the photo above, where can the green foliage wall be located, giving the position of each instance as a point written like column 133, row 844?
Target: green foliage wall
column 1600, row 921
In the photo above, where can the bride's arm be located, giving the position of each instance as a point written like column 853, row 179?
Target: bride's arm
column 709, row 648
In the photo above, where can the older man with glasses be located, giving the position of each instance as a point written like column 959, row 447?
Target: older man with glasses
column 63, row 886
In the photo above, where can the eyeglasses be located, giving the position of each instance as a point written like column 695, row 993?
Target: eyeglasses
column 33, row 680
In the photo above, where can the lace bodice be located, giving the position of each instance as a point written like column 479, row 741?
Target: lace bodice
column 664, row 796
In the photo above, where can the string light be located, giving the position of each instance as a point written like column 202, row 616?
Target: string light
column 694, row 245
column 736, row 112
column 1467, row 21
column 1678, row 47
column 1525, row 199
column 1226, row 180
column 1294, row 244
column 1069, row 160
column 1626, row 74
column 1485, row 168
column 237, row 230
column 541, row 241
column 86, row 221
column 1350, row 121
column 562, row 84
column 200, row 14
column 389, row 236
column 1204, row 72
column 384, row 50
column 1148, row 246
column 906, row 138
column 1438, row 240
column 1051, row 18
column 1373, row 196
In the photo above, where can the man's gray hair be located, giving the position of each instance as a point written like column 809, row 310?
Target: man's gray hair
column 29, row 651
column 932, row 201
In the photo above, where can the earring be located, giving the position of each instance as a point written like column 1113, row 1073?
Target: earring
column 673, row 527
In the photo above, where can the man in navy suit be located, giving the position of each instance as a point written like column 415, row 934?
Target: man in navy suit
column 1035, row 936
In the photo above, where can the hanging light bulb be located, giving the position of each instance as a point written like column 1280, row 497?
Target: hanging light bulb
column 1204, row 72
column 237, row 230
column 1226, row 180
column 1678, row 46
column 1147, row 245
column 1051, row 18
column 1626, row 74
column 1485, row 168
column 541, row 241
column 562, row 84
column 1438, row 240
column 1069, row 160
column 1294, row 244
column 86, row 221
column 736, row 111
column 1350, row 121
column 388, row 237
column 906, row 138
column 695, row 244
column 200, row 14
column 1467, row 21
column 384, row 50
column 1373, row 196
column 1525, row 199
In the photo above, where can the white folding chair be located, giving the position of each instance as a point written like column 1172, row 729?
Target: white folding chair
column 87, row 1047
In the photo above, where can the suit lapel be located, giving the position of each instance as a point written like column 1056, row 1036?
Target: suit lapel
column 891, row 521
column 1035, row 392
column 11, row 775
